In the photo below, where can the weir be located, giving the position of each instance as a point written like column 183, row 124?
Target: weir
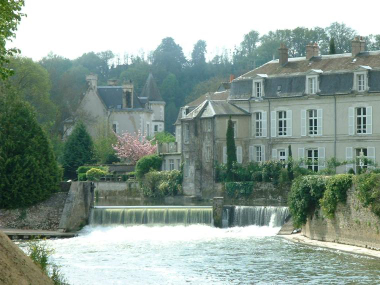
column 240, row 216
column 138, row 215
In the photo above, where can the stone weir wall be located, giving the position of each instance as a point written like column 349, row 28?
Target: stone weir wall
column 353, row 224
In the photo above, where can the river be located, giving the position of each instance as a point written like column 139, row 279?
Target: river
column 201, row 254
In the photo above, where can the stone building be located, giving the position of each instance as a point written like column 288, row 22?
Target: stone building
column 323, row 106
column 119, row 108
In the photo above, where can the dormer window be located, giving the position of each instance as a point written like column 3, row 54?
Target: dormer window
column 361, row 78
column 258, row 86
column 312, row 81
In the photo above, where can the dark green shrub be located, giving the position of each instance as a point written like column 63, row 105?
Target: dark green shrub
column 290, row 164
column 78, row 150
column 220, row 172
column 368, row 191
column 147, row 163
column 271, row 171
column 29, row 172
column 240, row 172
column 257, row 176
column 231, row 150
column 284, row 176
column 239, row 189
column 336, row 191
column 82, row 177
column 161, row 183
column 304, row 196
column 351, row 171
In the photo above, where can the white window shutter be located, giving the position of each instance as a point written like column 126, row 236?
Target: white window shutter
column 273, row 124
column 369, row 120
column 239, row 154
column 224, row 154
column 319, row 121
column 349, row 158
column 289, row 119
column 251, row 153
column 321, row 157
column 303, row 123
column 263, row 153
column 351, row 121
column 265, row 125
column 274, row 154
column 371, row 155
column 301, row 155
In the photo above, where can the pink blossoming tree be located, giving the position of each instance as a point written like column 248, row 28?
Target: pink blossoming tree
column 133, row 146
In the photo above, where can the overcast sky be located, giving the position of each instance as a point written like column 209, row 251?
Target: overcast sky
column 72, row 27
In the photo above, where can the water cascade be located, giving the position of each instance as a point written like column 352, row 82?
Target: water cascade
column 240, row 216
column 136, row 215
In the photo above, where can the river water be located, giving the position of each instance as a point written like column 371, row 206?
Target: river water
column 201, row 254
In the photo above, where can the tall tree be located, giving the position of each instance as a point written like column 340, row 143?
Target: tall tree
column 29, row 172
column 332, row 46
column 78, row 150
column 342, row 35
column 231, row 149
column 10, row 17
column 198, row 55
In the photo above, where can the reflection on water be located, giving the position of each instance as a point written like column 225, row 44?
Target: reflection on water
column 199, row 254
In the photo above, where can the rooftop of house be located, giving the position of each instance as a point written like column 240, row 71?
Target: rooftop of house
column 150, row 90
column 112, row 96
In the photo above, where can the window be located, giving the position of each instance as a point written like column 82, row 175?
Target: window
column 171, row 164
column 282, row 155
column 361, row 120
column 312, row 85
column 259, row 124
column 312, row 159
column 258, row 89
column 313, row 122
column 115, row 127
column 155, row 128
column 282, row 123
column 361, row 160
column 360, row 82
column 186, row 133
column 258, row 153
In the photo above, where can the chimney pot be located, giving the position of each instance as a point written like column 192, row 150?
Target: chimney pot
column 283, row 54
column 357, row 46
column 232, row 77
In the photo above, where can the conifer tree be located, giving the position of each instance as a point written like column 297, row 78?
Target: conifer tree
column 332, row 46
column 78, row 150
column 29, row 172
column 231, row 150
column 290, row 164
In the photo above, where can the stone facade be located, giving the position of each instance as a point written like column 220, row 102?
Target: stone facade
column 323, row 107
column 353, row 224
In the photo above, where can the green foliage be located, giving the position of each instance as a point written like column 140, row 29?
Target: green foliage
column 239, row 189
column 78, row 150
column 272, row 170
column 10, row 17
column 94, row 174
column 29, row 172
column 231, row 150
column 332, row 46
column 290, row 164
column 162, row 183
column 39, row 252
column 163, row 137
column 103, row 150
column 304, row 196
column 146, row 163
column 336, row 191
column 82, row 171
column 368, row 191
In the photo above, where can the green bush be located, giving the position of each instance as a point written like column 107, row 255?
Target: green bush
column 162, row 183
column 239, row 189
column 257, row 176
column 272, row 170
column 336, row 191
column 368, row 191
column 304, row 196
column 284, row 176
column 147, row 163
column 94, row 174
column 82, row 170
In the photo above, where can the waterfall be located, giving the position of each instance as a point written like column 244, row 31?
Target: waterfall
column 255, row 215
column 136, row 215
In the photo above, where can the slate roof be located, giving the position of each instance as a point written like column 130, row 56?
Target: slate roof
column 213, row 96
column 150, row 90
column 290, row 79
column 112, row 96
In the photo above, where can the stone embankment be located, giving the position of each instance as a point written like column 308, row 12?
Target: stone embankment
column 17, row 268
column 42, row 216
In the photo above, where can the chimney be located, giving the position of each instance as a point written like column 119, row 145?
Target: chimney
column 315, row 49
column 92, row 81
column 309, row 51
column 358, row 46
column 232, row 77
column 283, row 55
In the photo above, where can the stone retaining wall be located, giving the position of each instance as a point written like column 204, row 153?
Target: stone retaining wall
column 353, row 224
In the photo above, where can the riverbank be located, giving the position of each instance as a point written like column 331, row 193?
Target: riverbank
column 299, row 238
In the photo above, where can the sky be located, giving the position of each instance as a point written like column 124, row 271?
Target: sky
column 72, row 27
